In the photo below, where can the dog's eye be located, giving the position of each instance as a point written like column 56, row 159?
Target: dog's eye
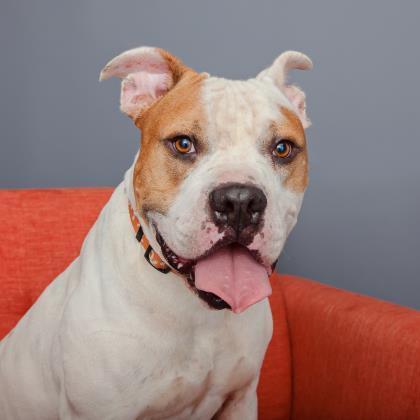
column 183, row 145
column 283, row 149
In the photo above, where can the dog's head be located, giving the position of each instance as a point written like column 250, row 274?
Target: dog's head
column 222, row 168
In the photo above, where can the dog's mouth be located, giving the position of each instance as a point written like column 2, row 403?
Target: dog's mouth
column 227, row 276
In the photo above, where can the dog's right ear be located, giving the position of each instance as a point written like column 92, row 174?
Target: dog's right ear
column 277, row 74
column 147, row 74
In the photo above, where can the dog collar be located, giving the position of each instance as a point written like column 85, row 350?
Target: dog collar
column 152, row 257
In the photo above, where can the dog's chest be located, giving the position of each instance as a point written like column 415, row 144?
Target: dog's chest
column 177, row 371
column 207, row 365
column 201, row 376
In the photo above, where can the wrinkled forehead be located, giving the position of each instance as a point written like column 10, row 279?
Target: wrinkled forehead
column 222, row 113
column 237, row 109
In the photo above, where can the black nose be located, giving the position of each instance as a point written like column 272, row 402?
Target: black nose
column 237, row 205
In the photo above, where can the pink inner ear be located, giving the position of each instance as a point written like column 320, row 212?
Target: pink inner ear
column 141, row 89
column 146, row 77
column 297, row 99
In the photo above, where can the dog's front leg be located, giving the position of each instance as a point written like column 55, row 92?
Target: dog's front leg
column 241, row 405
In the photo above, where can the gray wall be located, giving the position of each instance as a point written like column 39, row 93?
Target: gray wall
column 360, row 224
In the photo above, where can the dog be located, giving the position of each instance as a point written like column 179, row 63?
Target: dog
column 165, row 313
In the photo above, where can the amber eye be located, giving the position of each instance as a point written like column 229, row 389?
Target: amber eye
column 183, row 145
column 283, row 149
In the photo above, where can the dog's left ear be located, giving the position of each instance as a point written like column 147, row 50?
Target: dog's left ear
column 147, row 74
column 277, row 74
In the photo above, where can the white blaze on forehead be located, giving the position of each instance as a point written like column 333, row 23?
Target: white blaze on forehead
column 240, row 111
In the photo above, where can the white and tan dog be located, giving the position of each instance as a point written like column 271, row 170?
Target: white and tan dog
column 212, row 196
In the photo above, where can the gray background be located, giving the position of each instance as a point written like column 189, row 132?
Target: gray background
column 360, row 224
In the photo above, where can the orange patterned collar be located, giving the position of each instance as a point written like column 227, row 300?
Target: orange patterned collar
column 152, row 257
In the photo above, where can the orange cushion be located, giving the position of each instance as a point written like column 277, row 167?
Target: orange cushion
column 41, row 233
column 354, row 357
column 275, row 387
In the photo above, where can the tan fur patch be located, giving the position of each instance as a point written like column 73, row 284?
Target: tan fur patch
column 177, row 67
column 297, row 170
column 157, row 172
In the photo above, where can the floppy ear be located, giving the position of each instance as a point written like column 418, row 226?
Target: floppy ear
column 277, row 73
column 147, row 74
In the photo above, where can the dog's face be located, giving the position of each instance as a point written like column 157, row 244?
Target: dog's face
column 223, row 164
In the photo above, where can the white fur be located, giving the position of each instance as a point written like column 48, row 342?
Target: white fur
column 112, row 338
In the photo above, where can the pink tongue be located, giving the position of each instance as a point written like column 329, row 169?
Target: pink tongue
column 233, row 274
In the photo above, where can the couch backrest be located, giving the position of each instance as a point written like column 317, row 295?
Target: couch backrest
column 41, row 232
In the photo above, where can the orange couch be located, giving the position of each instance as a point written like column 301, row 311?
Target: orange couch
column 334, row 354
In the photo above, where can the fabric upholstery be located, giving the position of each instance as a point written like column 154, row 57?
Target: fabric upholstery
column 354, row 357
column 334, row 354
column 40, row 234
